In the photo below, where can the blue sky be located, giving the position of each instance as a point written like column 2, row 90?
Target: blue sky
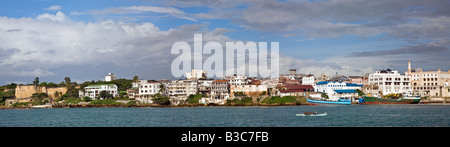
column 86, row 39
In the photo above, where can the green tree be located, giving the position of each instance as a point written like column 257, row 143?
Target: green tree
column 67, row 81
column 360, row 93
column 39, row 96
column 56, row 94
column 36, row 81
column 161, row 100
column 162, row 88
column 324, row 95
column 71, row 91
column 43, row 84
column 51, row 84
column 105, row 95
column 135, row 79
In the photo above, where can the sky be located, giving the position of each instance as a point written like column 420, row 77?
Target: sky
column 87, row 39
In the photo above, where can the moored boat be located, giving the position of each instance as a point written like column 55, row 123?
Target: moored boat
column 342, row 102
column 374, row 100
column 42, row 106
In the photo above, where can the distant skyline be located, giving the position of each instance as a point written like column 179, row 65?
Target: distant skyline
column 87, row 39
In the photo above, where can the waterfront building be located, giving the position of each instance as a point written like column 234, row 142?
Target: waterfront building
column 248, row 90
column 93, row 91
column 427, row 83
column 219, row 91
column 133, row 92
column 390, row 81
column 180, row 90
column 332, row 88
column 110, row 77
column 294, row 90
column 204, row 87
column 147, row 89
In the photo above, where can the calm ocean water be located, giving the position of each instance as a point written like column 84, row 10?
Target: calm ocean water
column 283, row 116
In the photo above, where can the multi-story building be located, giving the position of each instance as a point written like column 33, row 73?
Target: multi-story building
column 237, row 80
column 148, row 89
column 389, row 81
column 204, row 87
column 219, row 91
column 364, row 80
column 180, row 90
column 335, row 89
column 110, row 77
column 196, row 74
column 93, row 91
column 308, row 80
column 427, row 83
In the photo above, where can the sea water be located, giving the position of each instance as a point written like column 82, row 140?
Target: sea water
column 250, row 116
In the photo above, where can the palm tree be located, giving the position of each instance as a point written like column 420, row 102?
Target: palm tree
column 135, row 79
column 162, row 88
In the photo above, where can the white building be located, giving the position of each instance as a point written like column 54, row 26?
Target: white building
column 332, row 88
column 196, row 74
column 110, row 77
column 93, row 91
column 148, row 89
column 237, row 80
column 389, row 81
column 219, row 91
column 308, row 80
column 179, row 90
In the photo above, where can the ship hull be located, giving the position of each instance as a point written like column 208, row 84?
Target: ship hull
column 377, row 101
column 330, row 102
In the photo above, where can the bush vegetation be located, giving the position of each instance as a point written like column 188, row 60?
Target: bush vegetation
column 284, row 100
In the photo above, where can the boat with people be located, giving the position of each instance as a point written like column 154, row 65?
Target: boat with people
column 311, row 114
column 324, row 101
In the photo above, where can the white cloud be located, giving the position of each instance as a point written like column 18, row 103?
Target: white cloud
column 54, row 7
column 38, row 72
column 341, row 65
column 59, row 16
column 139, row 9
column 55, row 41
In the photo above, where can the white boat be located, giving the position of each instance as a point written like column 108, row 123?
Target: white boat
column 42, row 106
column 410, row 96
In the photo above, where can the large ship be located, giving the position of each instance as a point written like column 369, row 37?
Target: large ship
column 374, row 100
column 340, row 101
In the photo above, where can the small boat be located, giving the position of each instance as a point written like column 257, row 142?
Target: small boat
column 42, row 106
column 311, row 114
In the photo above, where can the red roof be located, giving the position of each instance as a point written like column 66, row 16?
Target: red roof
column 298, row 87
column 288, row 91
column 220, row 81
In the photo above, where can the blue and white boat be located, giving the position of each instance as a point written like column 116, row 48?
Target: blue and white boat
column 340, row 101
